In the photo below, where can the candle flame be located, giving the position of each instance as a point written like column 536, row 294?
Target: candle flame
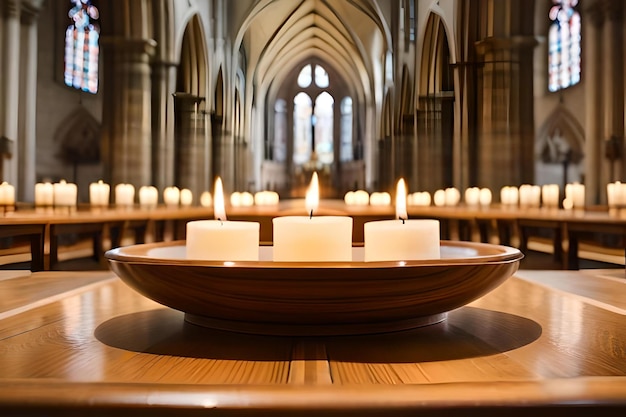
column 313, row 195
column 401, row 200
column 218, row 200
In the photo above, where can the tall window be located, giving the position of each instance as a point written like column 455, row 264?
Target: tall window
column 564, row 40
column 81, row 46
column 313, row 117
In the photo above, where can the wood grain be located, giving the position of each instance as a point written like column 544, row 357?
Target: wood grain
column 522, row 348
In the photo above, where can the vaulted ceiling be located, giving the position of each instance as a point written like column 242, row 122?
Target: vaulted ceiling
column 350, row 36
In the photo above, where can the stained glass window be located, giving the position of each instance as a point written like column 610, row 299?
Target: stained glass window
column 564, row 39
column 82, row 47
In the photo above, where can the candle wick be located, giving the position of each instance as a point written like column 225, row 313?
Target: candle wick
column 311, row 214
column 402, row 218
column 221, row 222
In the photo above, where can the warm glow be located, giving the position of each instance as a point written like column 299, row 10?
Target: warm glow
column 401, row 200
column 313, row 195
column 218, row 200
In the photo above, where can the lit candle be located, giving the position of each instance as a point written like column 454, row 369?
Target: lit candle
column 220, row 239
column 99, row 193
column 44, row 194
column 171, row 196
column 148, row 196
column 485, row 197
column 472, row 196
column 7, row 194
column 64, row 193
column 401, row 239
column 124, row 194
column 186, row 197
column 206, row 200
column 312, row 238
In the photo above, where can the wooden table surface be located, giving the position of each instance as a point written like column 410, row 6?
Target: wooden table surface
column 83, row 343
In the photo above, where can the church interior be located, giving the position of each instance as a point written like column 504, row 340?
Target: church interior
column 495, row 128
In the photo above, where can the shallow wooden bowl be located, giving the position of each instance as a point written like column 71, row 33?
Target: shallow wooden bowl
column 314, row 298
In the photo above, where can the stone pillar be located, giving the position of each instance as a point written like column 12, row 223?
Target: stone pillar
column 192, row 147
column 9, row 88
column 27, row 140
column 163, row 148
column 614, row 83
column 126, row 115
column 595, row 191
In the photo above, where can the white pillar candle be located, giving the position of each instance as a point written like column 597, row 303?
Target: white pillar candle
column 247, row 199
column 171, row 196
column 220, row 239
column 550, row 195
column 401, row 239
column 440, row 198
column 312, row 238
column 99, row 193
column 361, row 198
column 452, row 196
column 44, row 194
column 349, row 198
column 484, row 197
column 472, row 196
column 148, row 196
column 206, row 200
column 65, row 193
column 186, row 197
column 7, row 194
column 124, row 194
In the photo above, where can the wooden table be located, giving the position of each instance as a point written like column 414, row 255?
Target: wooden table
column 83, row 343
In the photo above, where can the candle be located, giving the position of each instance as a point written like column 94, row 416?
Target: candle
column 440, row 198
column 312, row 238
column 266, row 198
column 124, row 194
column 550, row 195
column 452, row 196
column 485, row 197
column 186, row 197
column 206, row 200
column 99, row 193
column 148, row 196
column 171, row 196
column 64, row 193
column 7, row 194
column 220, row 239
column 380, row 199
column 44, row 194
column 401, row 239
column 472, row 196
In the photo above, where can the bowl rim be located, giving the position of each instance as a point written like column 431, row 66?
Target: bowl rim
column 487, row 253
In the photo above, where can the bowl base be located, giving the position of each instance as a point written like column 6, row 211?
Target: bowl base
column 326, row 329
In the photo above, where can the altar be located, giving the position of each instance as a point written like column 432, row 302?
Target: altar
column 84, row 343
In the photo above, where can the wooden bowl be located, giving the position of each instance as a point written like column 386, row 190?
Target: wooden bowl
column 314, row 298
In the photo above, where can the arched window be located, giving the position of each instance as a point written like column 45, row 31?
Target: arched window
column 564, row 42
column 345, row 151
column 82, row 47
column 313, row 117
column 302, row 128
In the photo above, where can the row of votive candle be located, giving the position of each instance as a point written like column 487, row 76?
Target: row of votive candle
column 363, row 198
column 314, row 238
column 247, row 199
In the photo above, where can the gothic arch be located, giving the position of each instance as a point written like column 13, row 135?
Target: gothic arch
column 563, row 125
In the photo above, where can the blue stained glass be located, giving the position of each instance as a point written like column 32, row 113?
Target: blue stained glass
column 564, row 38
column 82, row 48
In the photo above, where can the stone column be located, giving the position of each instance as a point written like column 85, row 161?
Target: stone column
column 192, row 148
column 595, row 191
column 9, row 88
column 163, row 148
column 126, row 116
column 614, row 87
column 27, row 140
